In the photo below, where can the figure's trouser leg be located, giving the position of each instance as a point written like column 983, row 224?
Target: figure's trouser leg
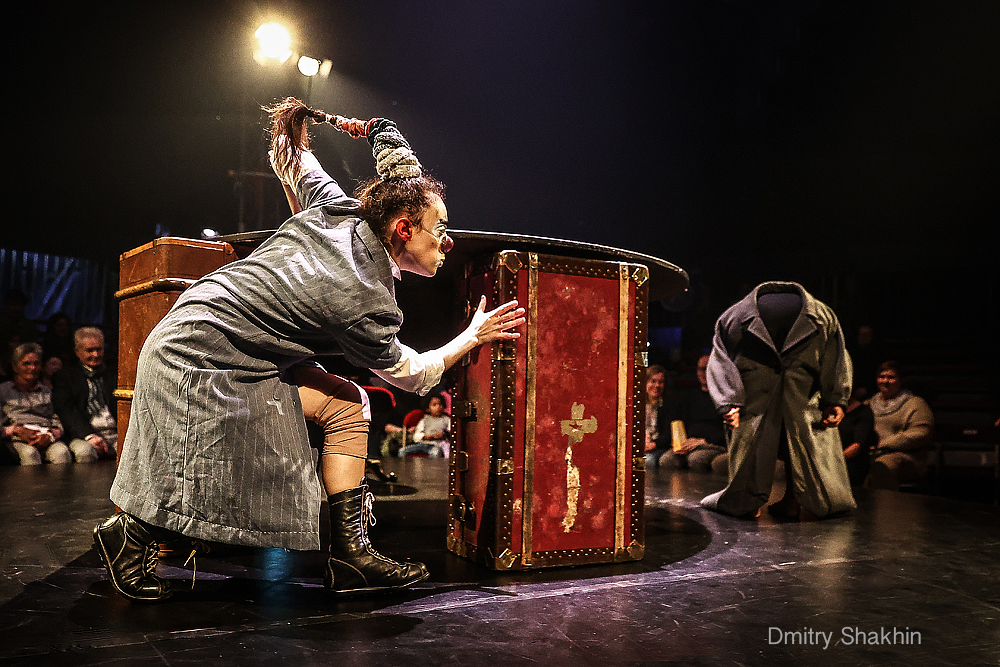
column 341, row 408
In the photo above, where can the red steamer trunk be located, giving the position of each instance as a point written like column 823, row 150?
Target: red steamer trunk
column 547, row 467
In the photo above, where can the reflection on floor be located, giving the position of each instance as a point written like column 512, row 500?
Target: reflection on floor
column 904, row 579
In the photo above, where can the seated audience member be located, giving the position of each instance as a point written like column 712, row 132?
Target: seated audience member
column 431, row 434
column 706, row 435
column 657, row 418
column 58, row 338
column 51, row 364
column 83, row 395
column 857, row 435
column 397, row 436
column 30, row 421
column 905, row 425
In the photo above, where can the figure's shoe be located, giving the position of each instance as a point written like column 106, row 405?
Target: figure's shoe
column 354, row 567
column 129, row 550
column 787, row 508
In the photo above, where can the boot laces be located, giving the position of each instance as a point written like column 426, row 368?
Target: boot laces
column 193, row 559
column 368, row 513
column 367, row 516
column 150, row 559
column 196, row 546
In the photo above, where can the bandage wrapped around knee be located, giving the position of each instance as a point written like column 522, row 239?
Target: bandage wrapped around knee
column 345, row 427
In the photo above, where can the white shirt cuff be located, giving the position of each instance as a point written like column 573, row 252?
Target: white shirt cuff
column 415, row 372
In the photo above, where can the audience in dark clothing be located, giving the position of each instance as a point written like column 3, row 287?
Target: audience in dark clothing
column 705, row 435
column 857, row 435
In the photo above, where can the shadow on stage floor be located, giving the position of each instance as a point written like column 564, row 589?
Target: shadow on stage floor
column 903, row 578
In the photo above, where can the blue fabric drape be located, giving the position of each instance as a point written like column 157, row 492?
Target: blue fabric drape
column 81, row 288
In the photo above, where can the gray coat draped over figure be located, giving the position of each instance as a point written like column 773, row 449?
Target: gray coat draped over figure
column 216, row 446
column 781, row 390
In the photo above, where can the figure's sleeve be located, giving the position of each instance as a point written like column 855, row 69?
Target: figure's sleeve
column 370, row 342
column 318, row 188
column 416, row 373
column 312, row 185
column 836, row 373
column 917, row 431
column 725, row 384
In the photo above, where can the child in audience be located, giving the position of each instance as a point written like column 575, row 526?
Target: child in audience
column 431, row 434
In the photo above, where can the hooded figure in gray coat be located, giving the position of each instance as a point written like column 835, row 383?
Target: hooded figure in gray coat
column 781, row 375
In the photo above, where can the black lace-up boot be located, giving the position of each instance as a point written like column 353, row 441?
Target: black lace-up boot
column 129, row 549
column 354, row 567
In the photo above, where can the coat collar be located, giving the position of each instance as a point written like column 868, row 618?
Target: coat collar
column 804, row 326
column 386, row 267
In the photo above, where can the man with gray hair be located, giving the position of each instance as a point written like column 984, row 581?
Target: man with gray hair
column 82, row 395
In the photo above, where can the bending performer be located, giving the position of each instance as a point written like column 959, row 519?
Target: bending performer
column 216, row 447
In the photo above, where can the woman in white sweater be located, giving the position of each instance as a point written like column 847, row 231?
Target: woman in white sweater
column 905, row 426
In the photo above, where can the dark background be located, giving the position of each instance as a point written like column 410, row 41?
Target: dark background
column 851, row 146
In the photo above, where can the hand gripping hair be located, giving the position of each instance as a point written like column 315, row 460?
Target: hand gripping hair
column 402, row 184
column 290, row 139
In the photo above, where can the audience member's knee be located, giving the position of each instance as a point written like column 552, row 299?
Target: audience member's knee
column 720, row 464
column 28, row 455
column 670, row 460
column 83, row 451
column 58, row 452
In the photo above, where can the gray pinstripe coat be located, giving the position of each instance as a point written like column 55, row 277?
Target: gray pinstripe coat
column 216, row 446
column 779, row 391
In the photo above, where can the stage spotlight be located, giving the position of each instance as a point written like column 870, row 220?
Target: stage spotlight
column 308, row 66
column 208, row 234
column 274, row 41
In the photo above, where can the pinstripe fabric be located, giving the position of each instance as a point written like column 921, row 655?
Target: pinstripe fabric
column 216, row 446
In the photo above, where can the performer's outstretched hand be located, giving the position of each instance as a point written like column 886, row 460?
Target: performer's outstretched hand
column 485, row 327
column 496, row 324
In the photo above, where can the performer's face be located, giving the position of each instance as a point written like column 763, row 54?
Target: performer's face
column 424, row 252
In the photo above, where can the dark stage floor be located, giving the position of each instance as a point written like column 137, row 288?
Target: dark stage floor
column 711, row 590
